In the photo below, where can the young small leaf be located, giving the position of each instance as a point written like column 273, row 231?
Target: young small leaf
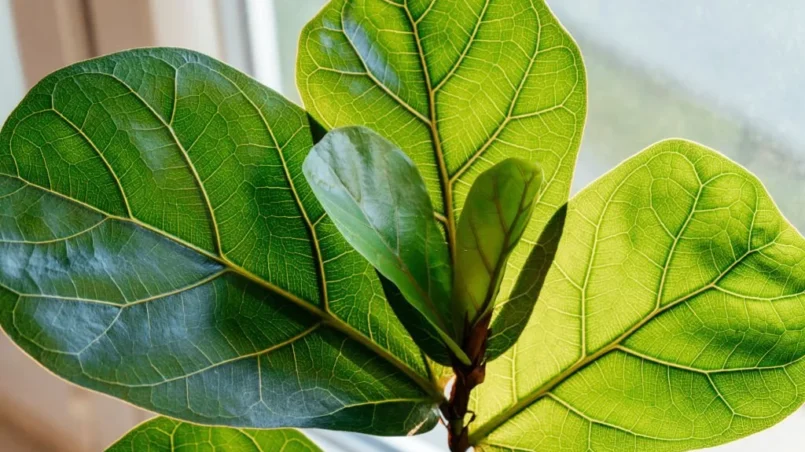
column 168, row 435
column 378, row 201
column 495, row 215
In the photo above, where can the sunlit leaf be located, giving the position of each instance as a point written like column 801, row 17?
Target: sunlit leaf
column 458, row 86
column 672, row 318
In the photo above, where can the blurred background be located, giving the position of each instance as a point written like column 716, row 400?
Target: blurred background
column 727, row 73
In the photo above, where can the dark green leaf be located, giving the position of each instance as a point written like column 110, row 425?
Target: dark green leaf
column 167, row 435
column 159, row 243
column 376, row 197
column 496, row 213
column 421, row 330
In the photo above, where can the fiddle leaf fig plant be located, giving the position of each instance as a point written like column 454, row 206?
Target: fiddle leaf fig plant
column 401, row 252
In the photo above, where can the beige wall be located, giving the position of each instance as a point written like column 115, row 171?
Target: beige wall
column 54, row 33
column 39, row 411
column 42, row 412
column 11, row 83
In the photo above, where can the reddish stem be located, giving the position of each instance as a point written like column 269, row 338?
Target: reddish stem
column 467, row 378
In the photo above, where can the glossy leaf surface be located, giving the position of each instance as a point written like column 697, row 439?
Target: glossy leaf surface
column 672, row 318
column 158, row 243
column 168, row 435
column 378, row 201
column 458, row 86
column 495, row 215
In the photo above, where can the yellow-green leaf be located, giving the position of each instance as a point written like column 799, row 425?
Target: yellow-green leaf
column 168, row 435
column 458, row 85
column 672, row 318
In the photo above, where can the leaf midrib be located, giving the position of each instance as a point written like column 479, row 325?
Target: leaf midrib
column 444, row 177
column 445, row 181
column 309, row 225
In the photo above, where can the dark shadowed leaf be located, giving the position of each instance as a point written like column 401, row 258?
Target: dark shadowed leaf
column 415, row 322
column 513, row 314
column 496, row 213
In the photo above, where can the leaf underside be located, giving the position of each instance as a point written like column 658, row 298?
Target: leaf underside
column 159, row 244
column 672, row 318
column 167, row 435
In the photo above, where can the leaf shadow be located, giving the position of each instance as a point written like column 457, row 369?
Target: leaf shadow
column 415, row 323
column 317, row 131
column 515, row 313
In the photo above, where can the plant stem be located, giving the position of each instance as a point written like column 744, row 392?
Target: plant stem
column 467, row 378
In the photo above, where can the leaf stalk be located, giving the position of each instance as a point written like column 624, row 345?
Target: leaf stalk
column 467, row 377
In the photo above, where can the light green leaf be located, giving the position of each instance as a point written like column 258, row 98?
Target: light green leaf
column 159, row 243
column 458, row 85
column 495, row 215
column 168, row 435
column 378, row 201
column 672, row 318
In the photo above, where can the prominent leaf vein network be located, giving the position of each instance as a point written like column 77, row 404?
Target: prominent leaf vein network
column 158, row 246
column 672, row 317
column 502, row 79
